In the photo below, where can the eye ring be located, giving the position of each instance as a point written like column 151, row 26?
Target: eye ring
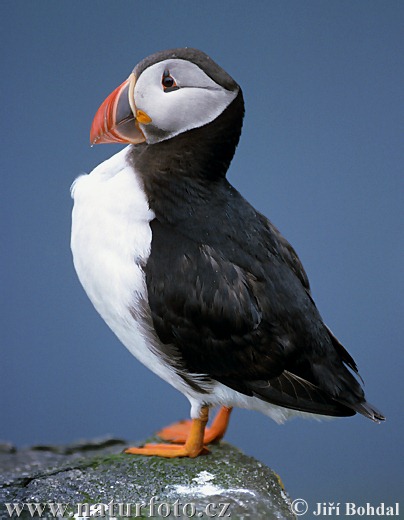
column 168, row 82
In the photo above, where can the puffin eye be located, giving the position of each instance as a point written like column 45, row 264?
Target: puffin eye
column 168, row 82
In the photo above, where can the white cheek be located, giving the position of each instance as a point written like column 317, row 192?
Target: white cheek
column 197, row 102
column 154, row 103
column 184, row 109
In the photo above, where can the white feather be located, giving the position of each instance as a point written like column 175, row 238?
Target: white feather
column 110, row 241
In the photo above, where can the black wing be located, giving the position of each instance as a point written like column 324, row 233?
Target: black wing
column 234, row 301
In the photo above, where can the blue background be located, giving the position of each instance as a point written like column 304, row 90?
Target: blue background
column 320, row 155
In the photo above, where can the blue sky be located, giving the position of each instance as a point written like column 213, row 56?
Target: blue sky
column 320, row 155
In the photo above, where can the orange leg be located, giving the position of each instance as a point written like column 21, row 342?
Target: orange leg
column 194, row 444
column 178, row 432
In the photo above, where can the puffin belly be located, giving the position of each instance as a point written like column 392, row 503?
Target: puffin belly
column 110, row 242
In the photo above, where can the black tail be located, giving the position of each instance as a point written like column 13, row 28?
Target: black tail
column 368, row 411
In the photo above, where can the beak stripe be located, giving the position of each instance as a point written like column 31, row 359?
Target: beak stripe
column 114, row 121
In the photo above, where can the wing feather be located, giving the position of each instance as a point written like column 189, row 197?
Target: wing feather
column 243, row 315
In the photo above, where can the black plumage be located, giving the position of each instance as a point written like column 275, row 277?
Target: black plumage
column 219, row 295
column 227, row 293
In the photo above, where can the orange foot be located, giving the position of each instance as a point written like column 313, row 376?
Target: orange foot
column 193, row 446
column 169, row 451
column 178, row 432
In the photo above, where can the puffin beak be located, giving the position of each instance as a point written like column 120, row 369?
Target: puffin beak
column 117, row 120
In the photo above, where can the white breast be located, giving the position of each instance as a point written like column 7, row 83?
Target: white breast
column 111, row 235
column 110, row 241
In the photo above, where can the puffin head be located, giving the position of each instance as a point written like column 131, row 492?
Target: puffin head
column 167, row 94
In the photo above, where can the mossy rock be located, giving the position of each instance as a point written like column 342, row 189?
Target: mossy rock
column 97, row 474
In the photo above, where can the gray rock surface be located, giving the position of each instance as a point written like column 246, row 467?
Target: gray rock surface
column 94, row 479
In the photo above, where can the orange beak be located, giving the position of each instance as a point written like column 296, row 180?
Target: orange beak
column 115, row 121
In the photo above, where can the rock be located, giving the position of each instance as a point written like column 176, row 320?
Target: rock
column 7, row 447
column 94, row 478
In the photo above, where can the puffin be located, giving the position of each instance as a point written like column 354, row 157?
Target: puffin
column 197, row 284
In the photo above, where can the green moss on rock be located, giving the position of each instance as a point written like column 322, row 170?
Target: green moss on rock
column 97, row 472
